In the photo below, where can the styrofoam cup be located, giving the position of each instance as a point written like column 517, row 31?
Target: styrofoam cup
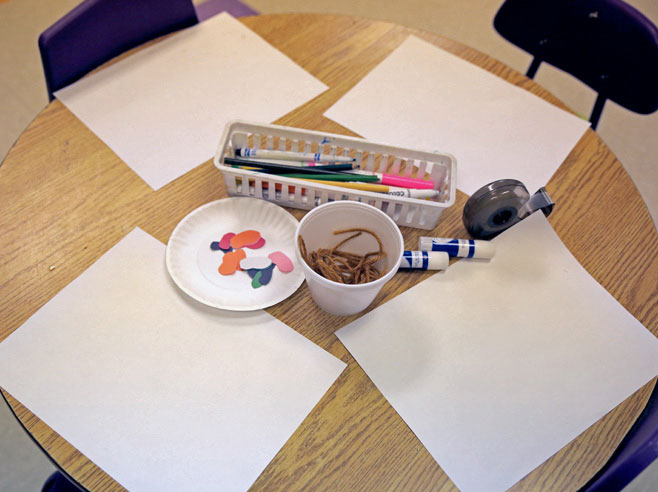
column 317, row 229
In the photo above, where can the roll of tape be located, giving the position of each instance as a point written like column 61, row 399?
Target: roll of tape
column 501, row 204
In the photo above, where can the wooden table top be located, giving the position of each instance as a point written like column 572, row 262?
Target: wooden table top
column 66, row 198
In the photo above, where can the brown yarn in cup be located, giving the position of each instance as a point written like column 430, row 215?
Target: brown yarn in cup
column 344, row 267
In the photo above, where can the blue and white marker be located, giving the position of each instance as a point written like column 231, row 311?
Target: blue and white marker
column 464, row 248
column 287, row 155
column 424, row 260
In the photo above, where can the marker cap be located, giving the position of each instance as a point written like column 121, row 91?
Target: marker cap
column 484, row 249
column 425, row 243
column 437, row 260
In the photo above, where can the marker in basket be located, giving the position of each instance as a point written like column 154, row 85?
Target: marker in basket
column 280, row 168
column 292, row 156
column 464, row 248
column 283, row 169
column 342, row 177
column 401, row 181
column 329, row 165
column 380, row 188
column 424, row 260
column 412, row 193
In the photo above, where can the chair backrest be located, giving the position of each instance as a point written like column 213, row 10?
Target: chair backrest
column 236, row 8
column 607, row 44
column 636, row 451
column 97, row 30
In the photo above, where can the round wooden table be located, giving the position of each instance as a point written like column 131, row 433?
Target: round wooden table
column 66, row 197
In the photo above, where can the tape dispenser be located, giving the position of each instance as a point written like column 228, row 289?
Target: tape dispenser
column 501, row 204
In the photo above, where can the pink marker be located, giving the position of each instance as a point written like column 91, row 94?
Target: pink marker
column 400, row 181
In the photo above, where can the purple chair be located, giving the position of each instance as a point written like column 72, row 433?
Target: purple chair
column 97, row 30
column 607, row 44
column 636, row 451
column 234, row 7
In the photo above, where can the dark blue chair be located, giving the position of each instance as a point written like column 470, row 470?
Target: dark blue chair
column 57, row 482
column 638, row 449
column 607, row 44
column 97, row 30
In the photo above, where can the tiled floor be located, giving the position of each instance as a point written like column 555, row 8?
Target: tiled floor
column 633, row 138
column 23, row 467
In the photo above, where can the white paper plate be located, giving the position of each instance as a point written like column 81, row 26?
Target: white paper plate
column 193, row 265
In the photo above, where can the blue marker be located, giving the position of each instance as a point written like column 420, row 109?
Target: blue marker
column 464, row 248
column 424, row 260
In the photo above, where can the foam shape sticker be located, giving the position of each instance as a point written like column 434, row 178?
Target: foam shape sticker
column 281, row 260
column 231, row 262
column 258, row 262
column 255, row 283
column 245, row 237
column 225, row 242
column 258, row 244
column 215, row 246
column 266, row 275
column 252, row 272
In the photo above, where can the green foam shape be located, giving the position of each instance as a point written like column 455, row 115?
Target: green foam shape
column 255, row 281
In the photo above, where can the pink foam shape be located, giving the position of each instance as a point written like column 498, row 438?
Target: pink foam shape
column 282, row 261
column 225, row 242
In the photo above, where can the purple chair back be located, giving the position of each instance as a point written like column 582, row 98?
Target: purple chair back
column 636, row 451
column 97, row 30
column 607, row 44
column 236, row 8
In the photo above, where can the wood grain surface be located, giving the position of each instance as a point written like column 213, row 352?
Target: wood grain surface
column 67, row 198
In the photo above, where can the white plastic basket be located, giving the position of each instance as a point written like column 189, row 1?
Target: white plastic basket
column 441, row 168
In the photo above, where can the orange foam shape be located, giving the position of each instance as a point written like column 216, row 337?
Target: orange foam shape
column 231, row 262
column 244, row 238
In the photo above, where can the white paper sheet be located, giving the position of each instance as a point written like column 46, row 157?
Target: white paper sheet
column 163, row 109
column 425, row 98
column 497, row 365
column 159, row 391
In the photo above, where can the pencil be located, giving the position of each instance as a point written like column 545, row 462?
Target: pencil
column 354, row 185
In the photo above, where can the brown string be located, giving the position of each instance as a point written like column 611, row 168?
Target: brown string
column 342, row 266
